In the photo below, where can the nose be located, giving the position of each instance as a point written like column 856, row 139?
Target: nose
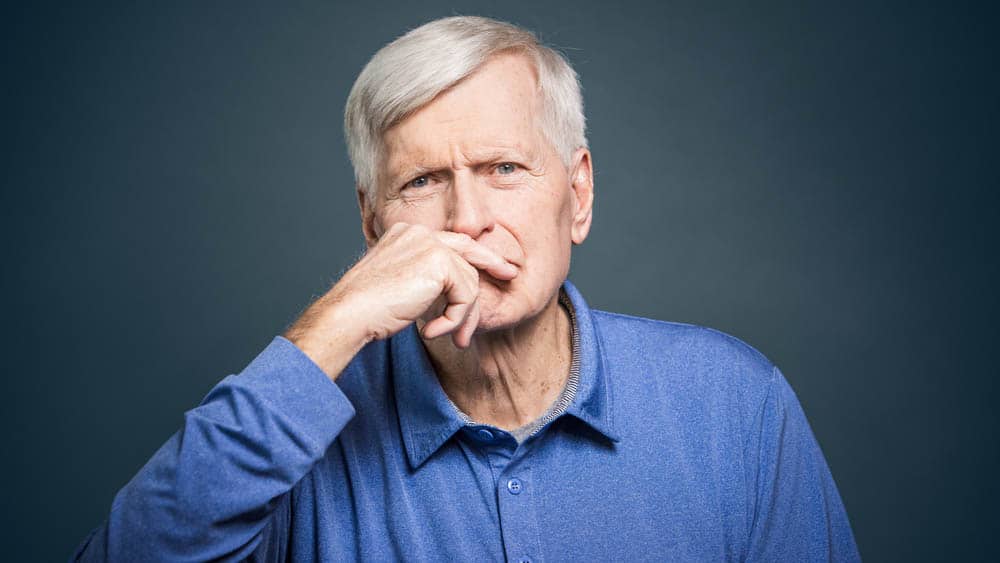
column 469, row 212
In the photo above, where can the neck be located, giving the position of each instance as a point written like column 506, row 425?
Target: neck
column 507, row 377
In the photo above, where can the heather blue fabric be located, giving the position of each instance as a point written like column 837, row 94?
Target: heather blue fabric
column 681, row 444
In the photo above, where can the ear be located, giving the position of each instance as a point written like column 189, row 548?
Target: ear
column 369, row 223
column 582, row 182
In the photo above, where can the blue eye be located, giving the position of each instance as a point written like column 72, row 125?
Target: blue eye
column 416, row 182
column 509, row 166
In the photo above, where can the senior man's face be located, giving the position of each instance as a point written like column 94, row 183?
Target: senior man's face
column 474, row 161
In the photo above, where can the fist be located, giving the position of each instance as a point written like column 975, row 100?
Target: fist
column 412, row 273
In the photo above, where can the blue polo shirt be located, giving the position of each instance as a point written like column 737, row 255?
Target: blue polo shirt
column 679, row 443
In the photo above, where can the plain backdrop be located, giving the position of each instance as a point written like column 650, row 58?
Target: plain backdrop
column 816, row 179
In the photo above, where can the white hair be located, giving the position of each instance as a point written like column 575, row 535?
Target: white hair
column 409, row 72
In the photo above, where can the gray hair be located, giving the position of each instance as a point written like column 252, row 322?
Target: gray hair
column 411, row 71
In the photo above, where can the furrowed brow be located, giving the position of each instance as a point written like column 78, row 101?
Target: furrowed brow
column 409, row 171
column 495, row 155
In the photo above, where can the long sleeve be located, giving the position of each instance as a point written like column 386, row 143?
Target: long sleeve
column 212, row 490
column 796, row 513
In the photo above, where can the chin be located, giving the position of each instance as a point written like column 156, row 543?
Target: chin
column 494, row 313
column 500, row 308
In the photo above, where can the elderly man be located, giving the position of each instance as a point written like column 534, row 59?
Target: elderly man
column 452, row 397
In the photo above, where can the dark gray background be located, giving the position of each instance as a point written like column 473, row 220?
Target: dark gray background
column 817, row 180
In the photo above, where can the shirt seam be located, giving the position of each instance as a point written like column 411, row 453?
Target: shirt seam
column 751, row 510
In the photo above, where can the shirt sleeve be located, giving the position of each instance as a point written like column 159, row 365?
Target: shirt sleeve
column 213, row 489
column 796, row 513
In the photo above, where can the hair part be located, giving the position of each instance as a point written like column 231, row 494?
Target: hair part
column 412, row 70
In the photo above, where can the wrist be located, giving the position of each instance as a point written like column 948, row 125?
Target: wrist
column 330, row 339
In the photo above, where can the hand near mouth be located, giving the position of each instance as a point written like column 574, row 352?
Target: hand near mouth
column 397, row 282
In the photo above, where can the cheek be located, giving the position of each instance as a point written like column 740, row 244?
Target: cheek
column 541, row 217
column 546, row 249
column 548, row 220
column 427, row 215
column 550, row 245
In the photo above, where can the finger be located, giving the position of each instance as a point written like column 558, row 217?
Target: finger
column 461, row 290
column 452, row 318
column 435, row 310
column 478, row 255
column 463, row 336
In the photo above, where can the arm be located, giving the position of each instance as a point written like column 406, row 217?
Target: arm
column 795, row 510
column 214, row 489
column 210, row 490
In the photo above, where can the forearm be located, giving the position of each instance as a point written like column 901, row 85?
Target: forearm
column 209, row 490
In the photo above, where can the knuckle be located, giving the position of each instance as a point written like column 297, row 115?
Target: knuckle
column 417, row 229
column 470, row 270
column 438, row 260
column 441, row 255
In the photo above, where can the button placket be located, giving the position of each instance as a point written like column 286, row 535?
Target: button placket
column 517, row 513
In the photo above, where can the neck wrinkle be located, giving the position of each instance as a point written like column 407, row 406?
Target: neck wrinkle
column 508, row 380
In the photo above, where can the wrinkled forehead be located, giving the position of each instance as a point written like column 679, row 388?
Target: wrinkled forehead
column 496, row 109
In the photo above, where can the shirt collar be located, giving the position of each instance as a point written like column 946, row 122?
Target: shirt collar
column 428, row 418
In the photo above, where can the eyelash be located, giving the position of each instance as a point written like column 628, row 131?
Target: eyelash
column 495, row 166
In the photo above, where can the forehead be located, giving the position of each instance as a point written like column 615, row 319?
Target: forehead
column 497, row 107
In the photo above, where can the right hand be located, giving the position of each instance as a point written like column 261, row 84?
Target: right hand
column 398, row 281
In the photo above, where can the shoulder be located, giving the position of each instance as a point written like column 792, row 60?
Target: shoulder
column 680, row 357
column 693, row 342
